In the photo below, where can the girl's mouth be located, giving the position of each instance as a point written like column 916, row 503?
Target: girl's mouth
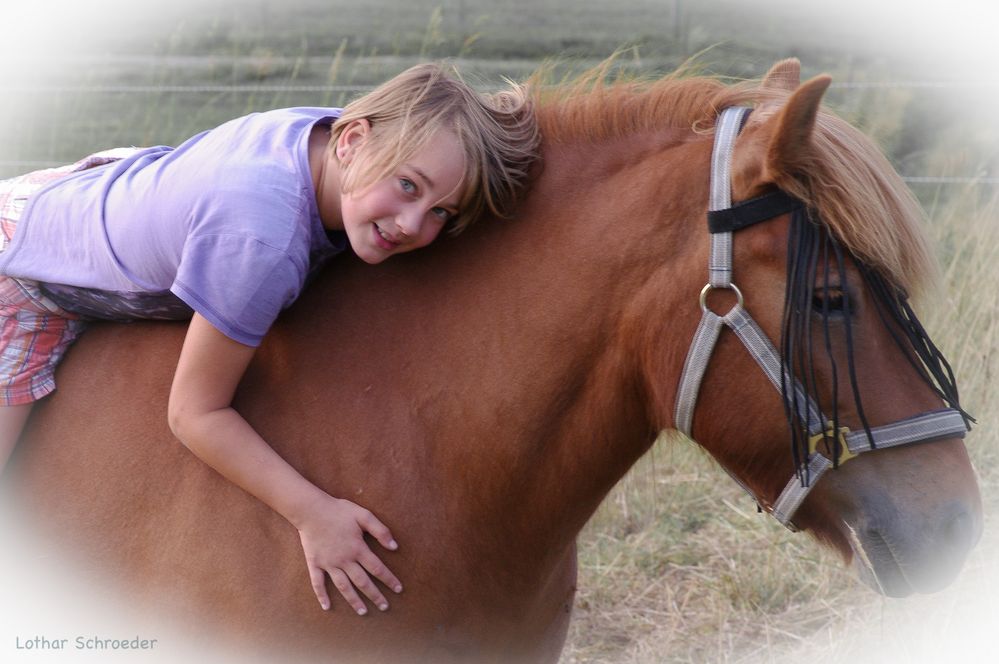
column 383, row 240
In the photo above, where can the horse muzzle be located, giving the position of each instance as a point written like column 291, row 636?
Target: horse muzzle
column 901, row 547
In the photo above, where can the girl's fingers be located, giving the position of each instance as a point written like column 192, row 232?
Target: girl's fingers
column 378, row 530
column 342, row 583
column 318, row 579
column 363, row 582
column 376, row 568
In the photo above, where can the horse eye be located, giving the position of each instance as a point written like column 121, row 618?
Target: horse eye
column 829, row 299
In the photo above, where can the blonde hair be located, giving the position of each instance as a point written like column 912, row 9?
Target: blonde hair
column 498, row 133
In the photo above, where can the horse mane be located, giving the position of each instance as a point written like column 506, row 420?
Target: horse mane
column 858, row 194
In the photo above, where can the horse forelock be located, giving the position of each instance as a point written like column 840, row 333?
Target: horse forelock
column 854, row 188
column 856, row 193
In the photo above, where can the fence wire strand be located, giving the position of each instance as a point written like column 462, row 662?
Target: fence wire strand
column 330, row 88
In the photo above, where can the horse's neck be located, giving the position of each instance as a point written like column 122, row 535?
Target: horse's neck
column 507, row 372
column 603, row 245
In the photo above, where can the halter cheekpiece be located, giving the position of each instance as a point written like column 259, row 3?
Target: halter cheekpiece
column 723, row 219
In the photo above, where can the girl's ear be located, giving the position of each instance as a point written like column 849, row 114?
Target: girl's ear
column 351, row 139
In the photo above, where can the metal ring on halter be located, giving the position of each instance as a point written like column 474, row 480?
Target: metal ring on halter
column 708, row 288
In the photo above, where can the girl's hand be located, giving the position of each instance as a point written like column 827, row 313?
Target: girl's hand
column 333, row 541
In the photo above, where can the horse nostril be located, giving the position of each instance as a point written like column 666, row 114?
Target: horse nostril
column 961, row 531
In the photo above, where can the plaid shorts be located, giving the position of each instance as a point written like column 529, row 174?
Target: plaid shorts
column 34, row 331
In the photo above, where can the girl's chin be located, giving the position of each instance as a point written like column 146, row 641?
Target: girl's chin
column 371, row 256
column 363, row 249
column 373, row 260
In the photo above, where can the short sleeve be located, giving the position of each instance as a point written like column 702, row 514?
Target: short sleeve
column 238, row 283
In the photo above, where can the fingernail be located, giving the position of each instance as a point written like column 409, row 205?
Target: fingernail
column 325, row 605
column 398, row 589
column 383, row 607
column 362, row 611
column 393, row 545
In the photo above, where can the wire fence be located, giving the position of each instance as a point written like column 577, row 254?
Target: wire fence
column 254, row 88
column 331, row 88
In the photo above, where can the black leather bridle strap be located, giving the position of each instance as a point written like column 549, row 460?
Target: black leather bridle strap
column 751, row 212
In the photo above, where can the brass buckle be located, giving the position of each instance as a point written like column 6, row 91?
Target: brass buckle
column 844, row 450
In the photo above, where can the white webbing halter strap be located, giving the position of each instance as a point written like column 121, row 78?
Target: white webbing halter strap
column 944, row 423
column 925, row 427
column 729, row 125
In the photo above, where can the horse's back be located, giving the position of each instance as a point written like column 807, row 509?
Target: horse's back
column 100, row 472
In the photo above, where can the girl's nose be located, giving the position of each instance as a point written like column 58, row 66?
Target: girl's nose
column 409, row 221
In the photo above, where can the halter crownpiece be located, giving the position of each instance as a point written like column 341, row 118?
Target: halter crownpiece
column 839, row 443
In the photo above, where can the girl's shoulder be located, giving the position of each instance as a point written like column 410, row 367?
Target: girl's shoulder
column 277, row 125
column 253, row 151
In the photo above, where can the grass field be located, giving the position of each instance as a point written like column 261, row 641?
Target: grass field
column 676, row 566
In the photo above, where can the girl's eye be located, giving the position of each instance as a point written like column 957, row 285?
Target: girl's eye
column 441, row 213
column 407, row 185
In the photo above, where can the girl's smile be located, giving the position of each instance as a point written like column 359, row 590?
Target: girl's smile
column 383, row 240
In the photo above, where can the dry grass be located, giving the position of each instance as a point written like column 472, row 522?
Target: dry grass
column 677, row 565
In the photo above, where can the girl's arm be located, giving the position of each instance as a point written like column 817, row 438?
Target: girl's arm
column 332, row 530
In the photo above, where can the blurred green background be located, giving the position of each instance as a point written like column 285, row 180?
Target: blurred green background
column 87, row 76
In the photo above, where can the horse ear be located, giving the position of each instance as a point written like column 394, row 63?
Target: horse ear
column 784, row 75
column 790, row 144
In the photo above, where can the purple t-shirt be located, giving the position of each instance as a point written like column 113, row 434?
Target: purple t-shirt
column 226, row 222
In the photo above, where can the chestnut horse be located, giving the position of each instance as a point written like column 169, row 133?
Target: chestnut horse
column 484, row 395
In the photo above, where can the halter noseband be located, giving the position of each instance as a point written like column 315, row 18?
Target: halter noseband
column 723, row 219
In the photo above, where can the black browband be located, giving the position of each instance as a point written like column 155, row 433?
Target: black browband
column 752, row 211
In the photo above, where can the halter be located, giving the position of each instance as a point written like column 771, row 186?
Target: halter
column 723, row 219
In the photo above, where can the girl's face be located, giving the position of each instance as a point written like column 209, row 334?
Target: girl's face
column 408, row 209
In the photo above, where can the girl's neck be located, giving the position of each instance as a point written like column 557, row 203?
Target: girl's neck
column 325, row 177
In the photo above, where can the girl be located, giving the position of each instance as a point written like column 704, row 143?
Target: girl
column 225, row 230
